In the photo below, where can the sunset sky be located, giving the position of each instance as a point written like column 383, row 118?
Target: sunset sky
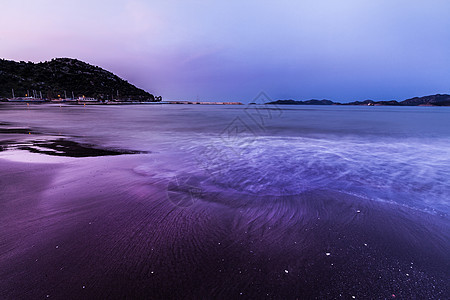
column 231, row 50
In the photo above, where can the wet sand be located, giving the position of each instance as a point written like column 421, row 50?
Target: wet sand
column 91, row 228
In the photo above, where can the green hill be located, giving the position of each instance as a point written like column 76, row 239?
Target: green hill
column 53, row 78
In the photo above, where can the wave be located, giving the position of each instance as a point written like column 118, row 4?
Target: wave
column 410, row 172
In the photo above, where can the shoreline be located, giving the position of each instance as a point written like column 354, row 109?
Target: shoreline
column 121, row 103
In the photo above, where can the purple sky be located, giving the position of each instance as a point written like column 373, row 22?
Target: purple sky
column 231, row 50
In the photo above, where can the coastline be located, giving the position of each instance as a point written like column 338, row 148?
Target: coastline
column 119, row 102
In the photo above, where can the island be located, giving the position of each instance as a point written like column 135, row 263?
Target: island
column 433, row 100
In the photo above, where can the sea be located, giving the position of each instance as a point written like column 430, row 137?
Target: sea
column 224, row 201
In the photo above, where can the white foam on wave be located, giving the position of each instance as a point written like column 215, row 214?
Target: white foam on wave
column 414, row 172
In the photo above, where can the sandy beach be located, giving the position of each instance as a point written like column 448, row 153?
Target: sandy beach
column 91, row 235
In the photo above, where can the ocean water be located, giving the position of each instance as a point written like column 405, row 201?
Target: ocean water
column 274, row 172
column 383, row 153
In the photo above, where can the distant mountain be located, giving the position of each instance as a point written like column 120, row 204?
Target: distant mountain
column 307, row 102
column 371, row 102
column 433, row 100
column 53, row 78
column 436, row 100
